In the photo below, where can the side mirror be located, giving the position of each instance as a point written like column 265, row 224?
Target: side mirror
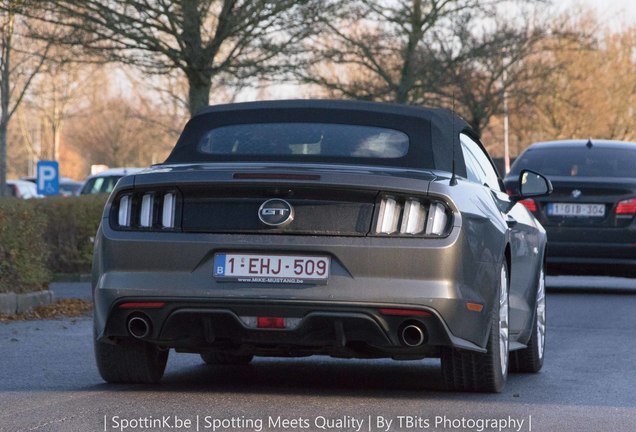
column 532, row 184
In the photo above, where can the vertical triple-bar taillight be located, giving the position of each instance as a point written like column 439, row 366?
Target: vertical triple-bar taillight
column 412, row 216
column 149, row 210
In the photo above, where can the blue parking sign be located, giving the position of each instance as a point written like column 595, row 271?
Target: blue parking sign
column 48, row 177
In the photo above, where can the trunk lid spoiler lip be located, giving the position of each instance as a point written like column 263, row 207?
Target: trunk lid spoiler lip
column 348, row 176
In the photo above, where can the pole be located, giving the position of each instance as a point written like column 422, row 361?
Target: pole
column 505, row 122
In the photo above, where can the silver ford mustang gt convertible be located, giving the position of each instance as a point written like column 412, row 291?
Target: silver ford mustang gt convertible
column 339, row 228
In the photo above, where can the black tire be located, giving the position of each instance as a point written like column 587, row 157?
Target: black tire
column 483, row 372
column 530, row 359
column 223, row 358
column 130, row 361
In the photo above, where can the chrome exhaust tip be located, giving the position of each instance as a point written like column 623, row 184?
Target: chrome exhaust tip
column 139, row 327
column 412, row 335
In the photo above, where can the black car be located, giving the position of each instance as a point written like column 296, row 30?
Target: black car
column 591, row 216
column 349, row 229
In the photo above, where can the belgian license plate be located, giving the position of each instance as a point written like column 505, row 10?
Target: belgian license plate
column 576, row 210
column 260, row 268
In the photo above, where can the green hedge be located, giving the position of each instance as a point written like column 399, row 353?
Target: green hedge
column 23, row 252
column 42, row 237
column 71, row 226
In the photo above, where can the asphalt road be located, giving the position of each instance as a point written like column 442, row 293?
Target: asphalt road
column 48, row 382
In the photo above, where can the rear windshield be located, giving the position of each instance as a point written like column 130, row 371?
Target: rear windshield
column 305, row 140
column 578, row 162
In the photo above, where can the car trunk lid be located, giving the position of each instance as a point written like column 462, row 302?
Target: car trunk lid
column 333, row 200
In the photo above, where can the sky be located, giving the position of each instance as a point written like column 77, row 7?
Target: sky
column 620, row 13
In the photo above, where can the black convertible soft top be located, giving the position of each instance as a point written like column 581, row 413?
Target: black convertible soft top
column 432, row 132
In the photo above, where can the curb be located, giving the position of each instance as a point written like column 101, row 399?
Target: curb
column 75, row 290
column 12, row 303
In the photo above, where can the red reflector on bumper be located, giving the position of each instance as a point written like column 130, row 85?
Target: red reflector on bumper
column 405, row 312
column 142, row 305
column 270, row 322
column 474, row 307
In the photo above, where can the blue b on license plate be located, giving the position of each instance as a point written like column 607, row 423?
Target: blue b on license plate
column 271, row 268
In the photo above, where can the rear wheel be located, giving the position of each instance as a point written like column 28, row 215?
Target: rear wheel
column 130, row 361
column 223, row 358
column 530, row 359
column 483, row 372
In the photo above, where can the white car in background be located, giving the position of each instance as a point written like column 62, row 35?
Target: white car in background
column 22, row 189
column 105, row 181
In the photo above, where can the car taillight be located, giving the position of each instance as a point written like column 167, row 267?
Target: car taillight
column 414, row 217
column 437, row 219
column 626, row 207
column 147, row 207
column 389, row 216
column 530, row 204
column 168, row 211
column 123, row 218
column 411, row 217
column 146, row 210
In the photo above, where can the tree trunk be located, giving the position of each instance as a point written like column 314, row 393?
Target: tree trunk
column 4, row 121
column 3, row 157
column 407, row 74
column 5, row 95
column 57, row 139
column 199, row 85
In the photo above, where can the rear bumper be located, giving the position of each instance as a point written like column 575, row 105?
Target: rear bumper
column 584, row 245
column 343, row 330
column 435, row 275
column 587, row 251
column 591, row 253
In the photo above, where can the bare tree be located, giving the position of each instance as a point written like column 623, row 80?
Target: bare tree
column 118, row 131
column 209, row 41
column 55, row 95
column 20, row 61
column 593, row 95
column 57, row 92
column 475, row 72
column 381, row 43
column 451, row 53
